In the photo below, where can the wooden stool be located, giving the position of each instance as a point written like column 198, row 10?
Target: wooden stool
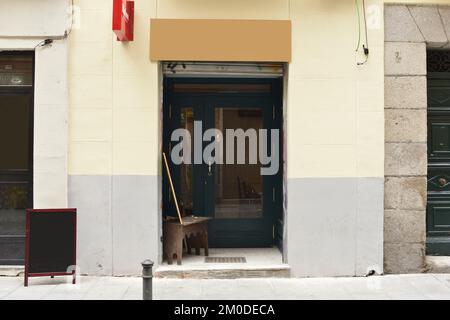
column 193, row 229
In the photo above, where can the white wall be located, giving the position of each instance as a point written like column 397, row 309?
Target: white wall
column 23, row 25
column 50, row 126
column 33, row 18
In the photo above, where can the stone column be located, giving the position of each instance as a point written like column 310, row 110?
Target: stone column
column 409, row 30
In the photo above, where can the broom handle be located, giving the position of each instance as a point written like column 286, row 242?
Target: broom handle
column 172, row 188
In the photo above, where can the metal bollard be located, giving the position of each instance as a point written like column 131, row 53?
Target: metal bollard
column 147, row 279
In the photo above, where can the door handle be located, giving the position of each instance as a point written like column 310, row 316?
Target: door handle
column 209, row 168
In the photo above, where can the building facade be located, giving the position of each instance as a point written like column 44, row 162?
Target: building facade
column 351, row 194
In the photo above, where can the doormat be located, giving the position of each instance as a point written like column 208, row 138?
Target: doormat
column 225, row 260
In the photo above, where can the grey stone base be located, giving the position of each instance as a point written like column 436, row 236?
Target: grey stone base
column 404, row 258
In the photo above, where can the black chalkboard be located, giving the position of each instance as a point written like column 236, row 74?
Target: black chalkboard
column 50, row 248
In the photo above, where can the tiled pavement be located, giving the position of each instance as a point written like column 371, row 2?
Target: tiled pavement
column 414, row 286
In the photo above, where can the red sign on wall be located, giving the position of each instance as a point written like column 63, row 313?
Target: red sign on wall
column 123, row 19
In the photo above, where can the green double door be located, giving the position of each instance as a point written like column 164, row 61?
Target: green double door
column 245, row 205
column 438, row 204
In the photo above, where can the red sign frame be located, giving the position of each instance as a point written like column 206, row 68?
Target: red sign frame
column 123, row 19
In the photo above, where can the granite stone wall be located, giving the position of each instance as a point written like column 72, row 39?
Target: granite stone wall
column 409, row 31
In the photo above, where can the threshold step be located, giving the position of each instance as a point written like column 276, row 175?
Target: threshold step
column 438, row 264
column 222, row 272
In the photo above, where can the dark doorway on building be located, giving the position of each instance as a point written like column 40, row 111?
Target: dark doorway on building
column 245, row 206
column 438, row 200
column 16, row 154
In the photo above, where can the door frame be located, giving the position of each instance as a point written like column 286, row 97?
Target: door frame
column 276, row 96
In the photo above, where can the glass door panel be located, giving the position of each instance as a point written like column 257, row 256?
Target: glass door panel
column 239, row 187
column 240, row 200
column 186, row 169
column 180, row 114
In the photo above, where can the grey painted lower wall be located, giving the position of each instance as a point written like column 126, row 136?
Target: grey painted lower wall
column 117, row 222
column 335, row 226
column 135, row 220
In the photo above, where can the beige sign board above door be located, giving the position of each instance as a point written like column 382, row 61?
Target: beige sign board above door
column 220, row 40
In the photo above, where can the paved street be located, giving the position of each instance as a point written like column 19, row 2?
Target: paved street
column 417, row 286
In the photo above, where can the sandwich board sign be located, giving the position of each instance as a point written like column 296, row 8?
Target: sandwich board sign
column 50, row 243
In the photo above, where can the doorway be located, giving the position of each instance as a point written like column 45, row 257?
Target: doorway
column 438, row 184
column 16, row 143
column 244, row 204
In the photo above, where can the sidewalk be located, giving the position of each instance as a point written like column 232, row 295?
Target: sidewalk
column 416, row 286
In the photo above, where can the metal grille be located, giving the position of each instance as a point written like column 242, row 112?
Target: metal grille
column 222, row 69
column 225, row 260
column 438, row 61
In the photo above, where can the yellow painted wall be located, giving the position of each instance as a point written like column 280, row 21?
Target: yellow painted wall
column 113, row 120
column 335, row 108
column 335, row 121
